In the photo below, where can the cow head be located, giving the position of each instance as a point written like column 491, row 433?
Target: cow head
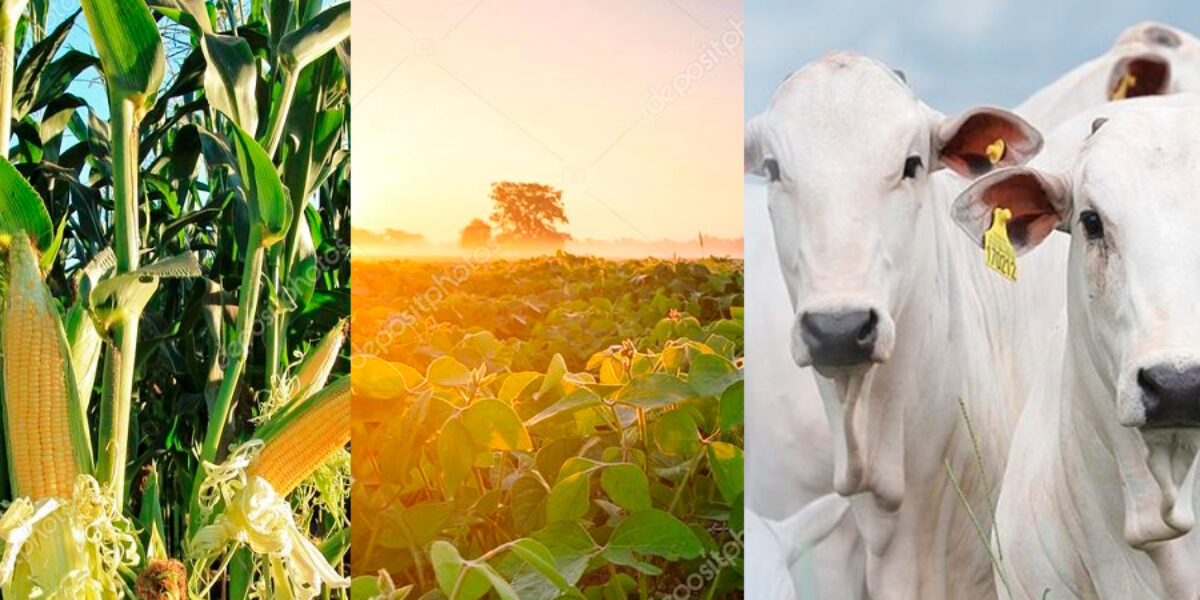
column 1148, row 59
column 1131, row 204
column 1154, row 58
column 850, row 154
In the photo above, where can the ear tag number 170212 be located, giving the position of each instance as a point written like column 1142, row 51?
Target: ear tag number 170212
column 999, row 254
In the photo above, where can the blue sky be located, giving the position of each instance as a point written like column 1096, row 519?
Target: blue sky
column 956, row 53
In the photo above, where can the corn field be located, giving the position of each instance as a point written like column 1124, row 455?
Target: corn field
column 174, row 270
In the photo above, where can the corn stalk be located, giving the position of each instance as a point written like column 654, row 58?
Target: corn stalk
column 10, row 15
column 271, row 214
column 297, row 51
column 133, row 62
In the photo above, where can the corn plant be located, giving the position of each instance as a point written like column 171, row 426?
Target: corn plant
column 174, row 277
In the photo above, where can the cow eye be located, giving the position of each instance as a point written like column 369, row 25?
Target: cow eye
column 772, row 168
column 1093, row 226
column 911, row 165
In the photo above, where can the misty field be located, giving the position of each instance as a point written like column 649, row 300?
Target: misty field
column 552, row 427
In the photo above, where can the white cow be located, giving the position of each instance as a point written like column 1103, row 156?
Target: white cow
column 1098, row 495
column 789, row 457
column 1148, row 59
column 896, row 312
column 789, row 448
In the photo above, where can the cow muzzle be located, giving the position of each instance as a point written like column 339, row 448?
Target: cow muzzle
column 1170, row 394
column 839, row 337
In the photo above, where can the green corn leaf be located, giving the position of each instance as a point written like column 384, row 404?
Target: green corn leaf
column 22, row 210
column 192, row 14
column 37, row 59
column 270, row 207
column 230, row 79
column 130, row 48
column 316, row 37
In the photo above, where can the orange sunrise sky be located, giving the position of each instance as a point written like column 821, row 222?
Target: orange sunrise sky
column 632, row 107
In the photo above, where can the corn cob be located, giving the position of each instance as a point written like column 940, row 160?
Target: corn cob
column 315, row 368
column 295, row 444
column 45, row 433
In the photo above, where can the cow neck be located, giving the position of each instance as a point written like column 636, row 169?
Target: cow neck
column 1100, row 456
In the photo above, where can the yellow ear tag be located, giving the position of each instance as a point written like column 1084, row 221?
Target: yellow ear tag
column 999, row 253
column 1127, row 81
column 995, row 151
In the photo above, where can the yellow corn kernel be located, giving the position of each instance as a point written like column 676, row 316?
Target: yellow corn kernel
column 37, row 403
column 306, row 437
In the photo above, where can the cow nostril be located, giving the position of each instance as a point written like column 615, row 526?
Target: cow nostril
column 869, row 330
column 1145, row 382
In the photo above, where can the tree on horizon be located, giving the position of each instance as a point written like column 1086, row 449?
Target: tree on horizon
column 527, row 212
column 476, row 234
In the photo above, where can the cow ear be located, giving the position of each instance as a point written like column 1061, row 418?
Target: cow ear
column 1142, row 74
column 1039, row 202
column 753, row 162
column 982, row 139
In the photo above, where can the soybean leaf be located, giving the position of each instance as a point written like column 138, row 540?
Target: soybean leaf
column 499, row 583
column 625, row 557
column 514, row 384
column 654, row 390
column 579, row 399
column 737, row 513
column 416, row 525
column 655, row 532
column 553, row 454
column 539, row 557
column 365, row 586
column 528, row 503
column 456, row 453
column 377, row 378
column 733, row 405
column 448, row 567
column 494, row 424
column 569, row 498
column 627, row 486
column 710, row 374
column 571, row 547
column 554, row 375
column 444, row 370
column 727, row 464
column 676, row 434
